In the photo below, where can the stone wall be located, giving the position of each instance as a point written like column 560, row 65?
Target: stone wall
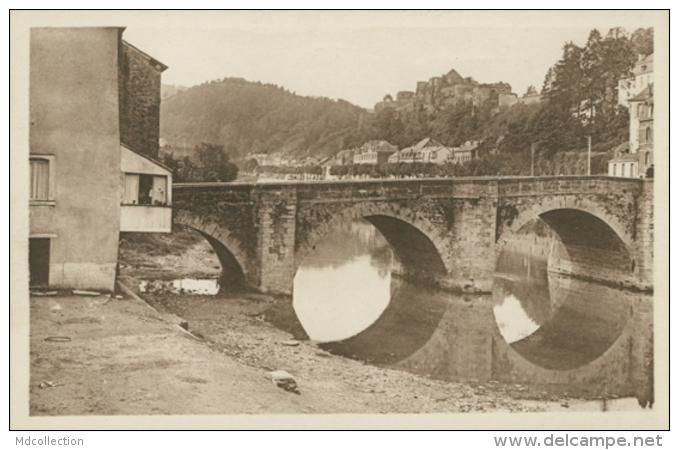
column 139, row 98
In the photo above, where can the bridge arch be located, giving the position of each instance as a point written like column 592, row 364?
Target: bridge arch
column 567, row 202
column 583, row 321
column 417, row 243
column 579, row 222
column 232, row 256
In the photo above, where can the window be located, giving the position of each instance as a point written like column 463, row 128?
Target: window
column 41, row 178
column 142, row 189
column 649, row 134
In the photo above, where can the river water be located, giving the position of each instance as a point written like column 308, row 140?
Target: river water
column 349, row 296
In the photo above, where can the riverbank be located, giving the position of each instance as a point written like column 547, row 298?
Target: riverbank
column 110, row 356
column 260, row 332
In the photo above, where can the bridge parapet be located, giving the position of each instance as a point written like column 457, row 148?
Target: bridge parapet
column 424, row 187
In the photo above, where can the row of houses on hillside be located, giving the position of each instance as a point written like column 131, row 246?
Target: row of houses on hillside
column 635, row 158
column 278, row 160
column 427, row 150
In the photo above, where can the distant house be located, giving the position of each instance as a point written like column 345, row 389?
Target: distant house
column 466, row 152
column 310, row 161
column 407, row 155
column 374, row 152
column 641, row 78
column 624, row 164
column 93, row 139
column 635, row 158
column 428, row 150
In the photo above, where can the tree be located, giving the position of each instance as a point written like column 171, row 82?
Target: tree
column 531, row 90
column 592, row 82
column 642, row 41
column 250, row 165
column 213, row 164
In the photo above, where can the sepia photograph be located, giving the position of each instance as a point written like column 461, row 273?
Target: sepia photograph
column 339, row 220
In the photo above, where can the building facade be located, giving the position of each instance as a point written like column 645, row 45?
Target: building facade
column 636, row 158
column 94, row 107
column 466, row 152
column 374, row 152
column 642, row 77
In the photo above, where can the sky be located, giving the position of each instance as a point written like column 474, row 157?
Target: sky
column 362, row 56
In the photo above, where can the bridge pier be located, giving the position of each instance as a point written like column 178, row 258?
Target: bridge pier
column 644, row 237
column 275, row 219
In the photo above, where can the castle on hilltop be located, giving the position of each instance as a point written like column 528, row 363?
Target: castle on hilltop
column 449, row 89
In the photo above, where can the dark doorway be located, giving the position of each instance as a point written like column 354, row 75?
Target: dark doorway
column 39, row 261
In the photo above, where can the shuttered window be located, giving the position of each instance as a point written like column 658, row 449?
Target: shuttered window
column 159, row 193
column 40, row 179
column 131, row 195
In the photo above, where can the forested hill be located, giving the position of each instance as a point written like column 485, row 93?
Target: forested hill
column 247, row 117
column 579, row 100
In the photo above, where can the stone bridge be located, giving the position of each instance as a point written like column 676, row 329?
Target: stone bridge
column 452, row 232
column 448, row 230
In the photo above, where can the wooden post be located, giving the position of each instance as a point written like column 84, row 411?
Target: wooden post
column 589, row 155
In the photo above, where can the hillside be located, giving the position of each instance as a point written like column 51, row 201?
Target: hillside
column 247, row 117
column 579, row 99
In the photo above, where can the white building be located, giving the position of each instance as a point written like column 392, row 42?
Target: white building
column 635, row 158
column 629, row 87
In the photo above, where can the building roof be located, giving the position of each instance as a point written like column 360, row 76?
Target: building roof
column 427, row 142
column 453, row 74
column 343, row 153
column 625, row 157
column 378, row 146
column 153, row 160
column 643, row 66
column 157, row 64
column 645, row 95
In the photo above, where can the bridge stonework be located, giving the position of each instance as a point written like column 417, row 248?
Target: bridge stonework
column 464, row 223
column 452, row 231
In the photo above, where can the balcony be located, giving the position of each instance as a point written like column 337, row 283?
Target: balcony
column 146, row 218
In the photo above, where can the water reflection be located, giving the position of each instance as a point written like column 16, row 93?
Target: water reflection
column 553, row 320
column 198, row 286
column 349, row 296
column 343, row 286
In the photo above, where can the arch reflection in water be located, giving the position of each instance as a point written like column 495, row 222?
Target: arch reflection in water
column 343, row 286
column 553, row 320
column 347, row 295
